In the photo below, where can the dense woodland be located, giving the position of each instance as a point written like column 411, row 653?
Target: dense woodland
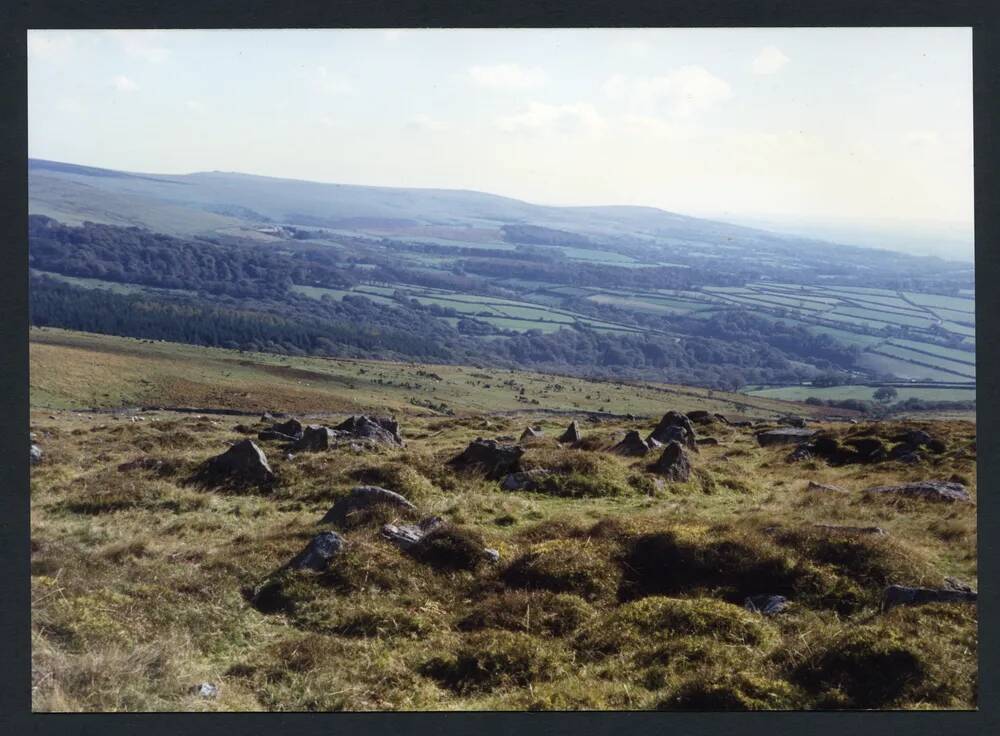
column 240, row 295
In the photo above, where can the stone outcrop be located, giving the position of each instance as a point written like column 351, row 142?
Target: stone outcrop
column 784, row 436
column 675, row 427
column 383, row 430
column 289, row 431
column 363, row 498
column 571, row 435
column 633, row 445
column 318, row 553
column 489, row 457
column 527, row 480
column 242, row 464
column 896, row 595
column 530, row 433
column 315, row 438
column 929, row 490
column 673, row 464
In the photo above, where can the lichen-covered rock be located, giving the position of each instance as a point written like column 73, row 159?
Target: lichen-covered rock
column 673, row 463
column 289, row 431
column 633, row 445
column 243, row 464
column 530, row 433
column 490, row 457
column 896, row 595
column 527, row 480
column 317, row 554
column 572, row 434
column 664, row 434
column 784, row 436
column 384, row 430
column 363, row 498
column 36, row 454
column 930, row 490
column 315, row 438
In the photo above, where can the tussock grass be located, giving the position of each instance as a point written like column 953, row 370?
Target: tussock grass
column 613, row 590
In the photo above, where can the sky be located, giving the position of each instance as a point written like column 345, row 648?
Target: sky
column 862, row 129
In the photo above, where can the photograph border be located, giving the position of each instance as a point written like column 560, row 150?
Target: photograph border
column 15, row 703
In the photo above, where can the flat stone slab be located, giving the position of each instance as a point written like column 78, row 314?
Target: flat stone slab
column 843, row 529
column 896, row 595
column 364, row 497
column 824, row 488
column 929, row 490
column 785, row 436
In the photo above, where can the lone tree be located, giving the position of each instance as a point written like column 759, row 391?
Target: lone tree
column 885, row 394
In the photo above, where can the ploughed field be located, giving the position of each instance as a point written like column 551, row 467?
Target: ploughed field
column 686, row 561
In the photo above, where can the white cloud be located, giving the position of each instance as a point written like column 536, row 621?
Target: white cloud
column 331, row 83
column 769, row 60
column 124, row 84
column 427, row 124
column 49, row 46
column 921, row 137
column 141, row 45
column 194, row 105
column 509, row 76
column 686, row 90
column 540, row 117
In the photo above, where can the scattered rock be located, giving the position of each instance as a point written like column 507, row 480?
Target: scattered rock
column 877, row 530
column 707, row 441
column 930, row 490
column 244, row 463
column 141, row 463
column 632, row 445
column 741, row 423
column 271, row 434
column 289, row 431
column 530, row 433
column 317, row 554
column 766, row 605
column 700, row 416
column 673, row 463
column 802, row 452
column 315, row 438
column 527, row 480
column 440, row 545
column 814, row 486
column 384, row 430
column 664, row 434
column 36, row 454
column 914, row 437
column 937, row 446
column 362, row 498
column 572, row 434
column 490, row 457
column 721, row 418
column 206, row 690
column 896, row 595
column 868, row 449
column 791, row 420
column 784, row 436
column 406, row 536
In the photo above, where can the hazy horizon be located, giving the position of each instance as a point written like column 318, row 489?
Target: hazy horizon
column 800, row 128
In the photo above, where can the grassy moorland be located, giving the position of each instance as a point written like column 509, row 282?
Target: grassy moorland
column 614, row 588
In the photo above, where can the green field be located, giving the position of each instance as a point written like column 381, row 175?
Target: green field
column 864, row 393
